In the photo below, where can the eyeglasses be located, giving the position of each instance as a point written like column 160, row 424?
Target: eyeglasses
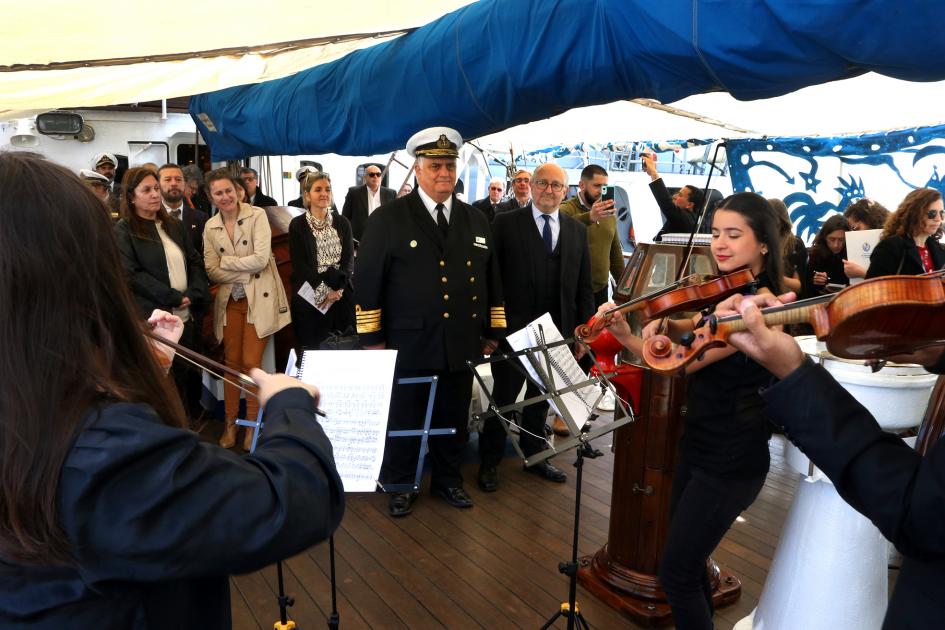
column 499, row 188
column 541, row 184
column 522, row 180
column 932, row 214
column 372, row 174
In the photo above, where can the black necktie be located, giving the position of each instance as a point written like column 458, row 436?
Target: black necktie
column 546, row 233
column 441, row 221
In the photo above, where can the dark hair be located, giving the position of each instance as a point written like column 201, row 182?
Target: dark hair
column 696, row 196
column 220, row 174
column 785, row 227
column 247, row 169
column 192, row 172
column 71, row 341
column 871, row 213
column 132, row 179
column 591, row 170
column 907, row 220
column 763, row 222
column 834, row 223
column 168, row 166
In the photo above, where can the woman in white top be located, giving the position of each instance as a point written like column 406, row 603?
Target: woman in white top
column 250, row 303
column 163, row 268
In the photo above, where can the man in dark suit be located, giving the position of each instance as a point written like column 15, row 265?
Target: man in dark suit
column 361, row 201
column 879, row 475
column 171, row 181
column 490, row 203
column 427, row 284
column 546, row 267
column 521, row 193
column 681, row 210
column 255, row 197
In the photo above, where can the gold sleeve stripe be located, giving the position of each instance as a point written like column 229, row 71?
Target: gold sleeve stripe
column 368, row 327
column 359, row 311
column 497, row 322
column 369, row 318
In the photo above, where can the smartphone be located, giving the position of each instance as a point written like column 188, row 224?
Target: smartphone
column 607, row 193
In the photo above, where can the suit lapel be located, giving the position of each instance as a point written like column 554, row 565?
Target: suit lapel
column 534, row 246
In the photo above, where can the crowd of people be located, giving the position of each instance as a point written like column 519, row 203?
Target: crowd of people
column 442, row 282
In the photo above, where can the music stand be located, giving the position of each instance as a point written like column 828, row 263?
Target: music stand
column 580, row 438
column 423, row 433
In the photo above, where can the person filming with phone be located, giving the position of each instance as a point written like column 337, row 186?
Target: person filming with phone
column 681, row 209
column 592, row 207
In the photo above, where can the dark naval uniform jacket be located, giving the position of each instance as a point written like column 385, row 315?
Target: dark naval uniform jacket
column 431, row 300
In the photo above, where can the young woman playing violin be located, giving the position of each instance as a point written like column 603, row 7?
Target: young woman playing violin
column 724, row 450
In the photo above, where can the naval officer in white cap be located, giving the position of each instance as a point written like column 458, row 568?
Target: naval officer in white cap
column 427, row 284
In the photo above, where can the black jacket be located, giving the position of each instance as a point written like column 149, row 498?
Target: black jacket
column 158, row 519
column 262, row 201
column 146, row 267
column 510, row 205
column 355, row 208
column 899, row 256
column 431, row 300
column 303, row 252
column 880, row 476
column 485, row 205
column 678, row 221
column 194, row 220
column 521, row 259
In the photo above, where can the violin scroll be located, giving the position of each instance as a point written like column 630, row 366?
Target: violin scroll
column 662, row 356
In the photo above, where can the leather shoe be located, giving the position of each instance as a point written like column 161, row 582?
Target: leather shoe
column 488, row 478
column 560, row 428
column 548, row 471
column 401, row 503
column 456, row 497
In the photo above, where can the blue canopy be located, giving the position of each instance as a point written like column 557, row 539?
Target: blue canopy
column 499, row 63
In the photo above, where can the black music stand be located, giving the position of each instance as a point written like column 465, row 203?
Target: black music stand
column 580, row 438
column 423, row 433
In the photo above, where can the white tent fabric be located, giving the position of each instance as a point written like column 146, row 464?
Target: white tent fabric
column 54, row 54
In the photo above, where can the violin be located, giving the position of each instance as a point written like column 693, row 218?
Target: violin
column 672, row 299
column 874, row 319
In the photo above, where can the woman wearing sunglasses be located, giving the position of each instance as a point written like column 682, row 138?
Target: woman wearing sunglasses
column 909, row 244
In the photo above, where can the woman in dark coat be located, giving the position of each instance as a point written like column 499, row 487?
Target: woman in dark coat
column 909, row 245
column 322, row 254
column 162, row 266
column 826, row 256
column 115, row 515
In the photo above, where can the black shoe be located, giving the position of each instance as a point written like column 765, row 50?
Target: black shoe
column 548, row 471
column 401, row 503
column 488, row 479
column 456, row 497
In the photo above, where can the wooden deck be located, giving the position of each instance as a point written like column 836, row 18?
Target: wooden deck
column 493, row 566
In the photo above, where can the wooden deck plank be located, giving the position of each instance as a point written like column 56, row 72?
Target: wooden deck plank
column 494, row 565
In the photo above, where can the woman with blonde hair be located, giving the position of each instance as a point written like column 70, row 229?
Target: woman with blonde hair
column 250, row 303
column 909, row 243
column 322, row 252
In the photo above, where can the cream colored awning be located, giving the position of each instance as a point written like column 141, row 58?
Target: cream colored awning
column 56, row 54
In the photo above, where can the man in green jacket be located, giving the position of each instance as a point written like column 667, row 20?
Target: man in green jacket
column 598, row 215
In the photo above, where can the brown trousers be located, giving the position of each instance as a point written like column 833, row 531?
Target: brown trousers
column 242, row 350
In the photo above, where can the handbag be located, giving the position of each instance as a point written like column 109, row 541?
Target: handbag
column 341, row 340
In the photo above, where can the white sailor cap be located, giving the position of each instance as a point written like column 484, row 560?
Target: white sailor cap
column 302, row 172
column 102, row 158
column 435, row 142
column 93, row 178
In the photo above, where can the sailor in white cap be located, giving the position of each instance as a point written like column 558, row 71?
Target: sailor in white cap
column 97, row 182
column 105, row 164
column 427, row 284
column 299, row 176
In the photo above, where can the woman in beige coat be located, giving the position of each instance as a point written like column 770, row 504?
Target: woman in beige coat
column 250, row 303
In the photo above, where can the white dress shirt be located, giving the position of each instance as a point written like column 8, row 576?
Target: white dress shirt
column 553, row 222
column 431, row 205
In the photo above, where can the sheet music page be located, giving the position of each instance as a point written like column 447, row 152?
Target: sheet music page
column 565, row 369
column 307, row 293
column 355, row 388
column 860, row 244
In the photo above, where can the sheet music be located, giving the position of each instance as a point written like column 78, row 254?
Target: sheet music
column 307, row 293
column 565, row 369
column 355, row 391
column 860, row 244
